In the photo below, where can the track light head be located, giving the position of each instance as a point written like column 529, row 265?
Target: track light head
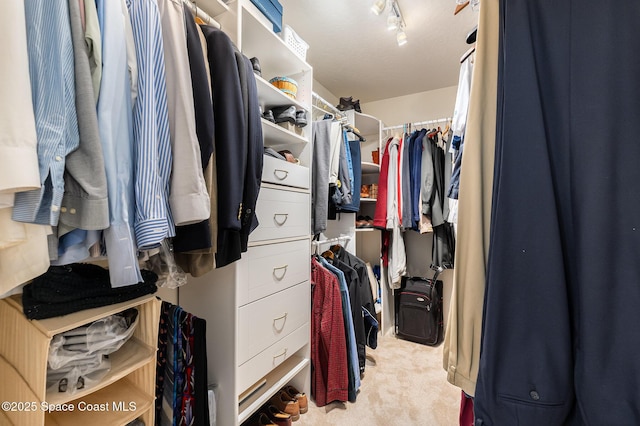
column 378, row 6
column 393, row 21
column 401, row 37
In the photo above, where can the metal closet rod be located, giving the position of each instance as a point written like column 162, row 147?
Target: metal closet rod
column 419, row 123
column 202, row 14
column 346, row 238
column 326, row 103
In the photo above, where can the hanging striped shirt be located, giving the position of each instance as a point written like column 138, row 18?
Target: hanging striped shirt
column 152, row 143
column 53, row 95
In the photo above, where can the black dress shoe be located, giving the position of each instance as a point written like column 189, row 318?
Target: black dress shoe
column 268, row 115
column 301, row 118
column 256, row 66
column 285, row 113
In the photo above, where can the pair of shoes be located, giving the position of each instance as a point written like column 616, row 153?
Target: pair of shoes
column 364, row 222
column 276, row 416
column 348, row 103
column 283, row 402
column 255, row 63
column 285, row 114
column 301, row 397
column 289, row 114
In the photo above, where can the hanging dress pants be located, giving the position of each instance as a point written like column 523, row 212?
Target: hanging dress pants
column 562, row 303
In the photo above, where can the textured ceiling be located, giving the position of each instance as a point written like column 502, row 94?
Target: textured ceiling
column 353, row 54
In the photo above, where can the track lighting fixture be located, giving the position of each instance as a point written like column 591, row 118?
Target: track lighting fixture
column 395, row 22
column 378, row 6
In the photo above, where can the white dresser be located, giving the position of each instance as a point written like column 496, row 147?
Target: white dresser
column 258, row 308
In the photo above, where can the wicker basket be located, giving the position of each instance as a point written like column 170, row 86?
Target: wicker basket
column 288, row 85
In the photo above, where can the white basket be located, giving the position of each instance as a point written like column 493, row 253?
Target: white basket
column 294, row 41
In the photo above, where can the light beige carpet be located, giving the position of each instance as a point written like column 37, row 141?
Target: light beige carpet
column 404, row 384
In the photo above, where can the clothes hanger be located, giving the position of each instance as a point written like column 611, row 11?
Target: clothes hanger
column 328, row 254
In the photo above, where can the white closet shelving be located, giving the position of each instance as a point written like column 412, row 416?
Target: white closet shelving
column 258, row 308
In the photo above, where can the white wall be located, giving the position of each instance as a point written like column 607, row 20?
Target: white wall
column 325, row 93
column 430, row 105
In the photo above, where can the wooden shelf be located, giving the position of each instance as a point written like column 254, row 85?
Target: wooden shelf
column 370, row 168
column 131, row 356
column 275, row 135
column 132, row 399
column 275, row 380
column 270, row 96
column 52, row 326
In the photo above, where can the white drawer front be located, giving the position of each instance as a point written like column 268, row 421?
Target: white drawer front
column 282, row 172
column 281, row 214
column 264, row 322
column 274, row 267
column 260, row 365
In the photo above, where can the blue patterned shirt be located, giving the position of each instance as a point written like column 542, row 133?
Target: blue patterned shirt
column 51, row 68
column 152, row 143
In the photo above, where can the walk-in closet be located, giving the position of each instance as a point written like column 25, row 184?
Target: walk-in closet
column 298, row 212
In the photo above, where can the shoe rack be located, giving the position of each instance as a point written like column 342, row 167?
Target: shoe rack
column 126, row 393
column 258, row 308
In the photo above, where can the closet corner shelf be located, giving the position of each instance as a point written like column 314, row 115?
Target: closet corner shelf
column 370, row 168
column 275, row 135
column 213, row 7
column 365, row 229
column 367, row 124
column 270, row 96
column 368, row 200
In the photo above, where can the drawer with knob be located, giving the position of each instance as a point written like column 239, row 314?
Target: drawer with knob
column 281, row 214
column 281, row 172
column 267, row 269
column 266, row 321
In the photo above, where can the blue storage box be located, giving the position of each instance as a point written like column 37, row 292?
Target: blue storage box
column 272, row 9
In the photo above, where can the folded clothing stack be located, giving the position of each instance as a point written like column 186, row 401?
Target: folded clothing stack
column 71, row 288
column 79, row 357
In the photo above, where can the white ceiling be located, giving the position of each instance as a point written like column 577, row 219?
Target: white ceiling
column 353, row 54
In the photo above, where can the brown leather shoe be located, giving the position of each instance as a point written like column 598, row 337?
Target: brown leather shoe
column 301, row 397
column 278, row 417
column 283, row 402
column 261, row 420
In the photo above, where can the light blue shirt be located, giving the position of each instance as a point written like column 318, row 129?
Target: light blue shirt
column 51, row 69
column 116, row 133
column 152, row 144
column 350, row 332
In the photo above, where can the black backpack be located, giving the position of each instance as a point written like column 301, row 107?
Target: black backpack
column 418, row 304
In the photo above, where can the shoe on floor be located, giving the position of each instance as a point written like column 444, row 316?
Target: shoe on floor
column 276, row 416
column 301, row 397
column 283, row 402
column 285, row 113
column 301, row 118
